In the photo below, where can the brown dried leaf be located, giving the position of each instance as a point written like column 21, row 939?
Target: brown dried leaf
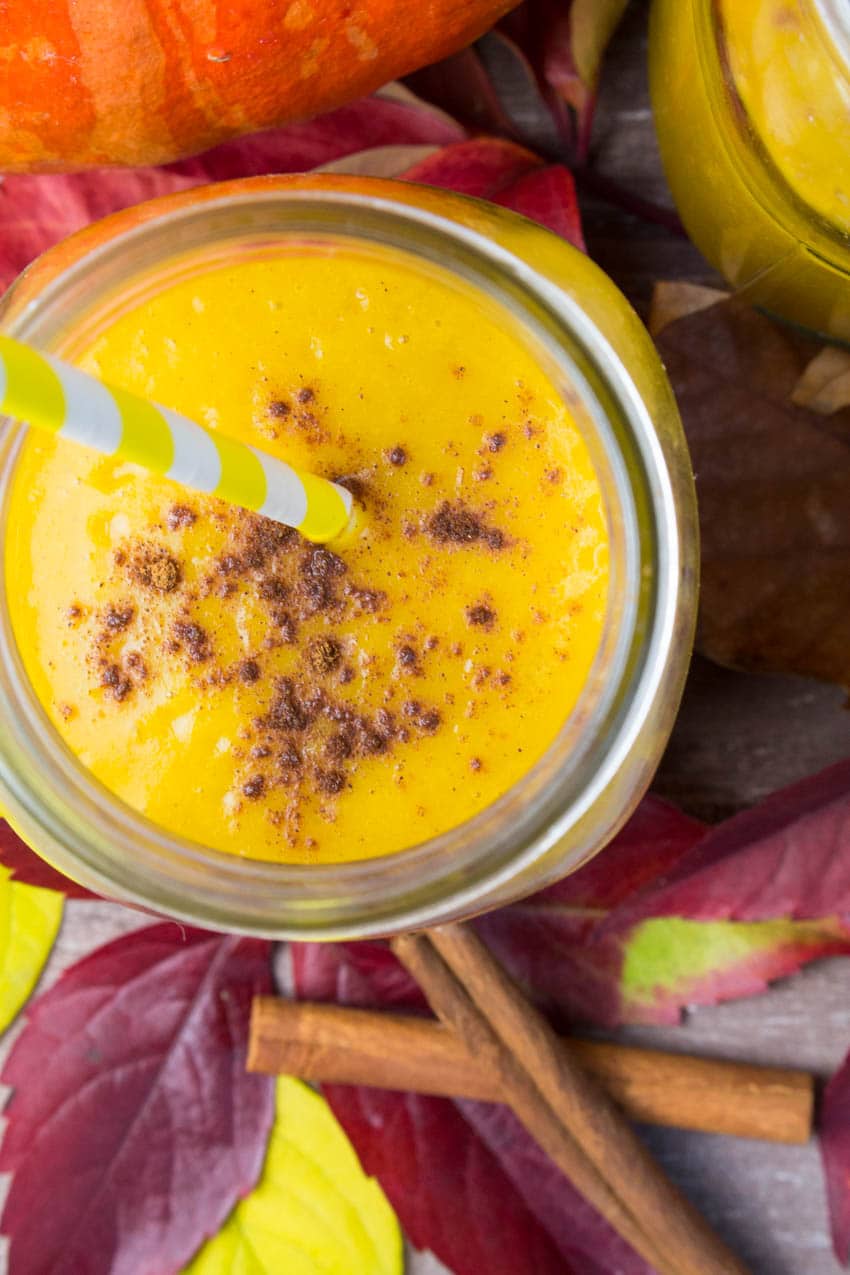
column 672, row 301
column 824, row 386
column 773, row 483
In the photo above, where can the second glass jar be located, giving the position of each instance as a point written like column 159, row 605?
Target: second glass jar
column 751, row 101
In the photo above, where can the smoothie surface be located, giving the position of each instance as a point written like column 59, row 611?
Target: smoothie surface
column 270, row 698
column 795, row 89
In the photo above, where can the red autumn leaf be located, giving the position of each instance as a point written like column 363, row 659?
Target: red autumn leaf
column 369, row 122
column 37, row 211
column 507, row 174
column 647, row 847
column 482, row 166
column 465, row 1178
column 362, row 974
column 710, row 916
column 607, row 945
column 133, row 1127
column 447, row 1189
column 574, row 1224
column 546, row 195
column 26, row 867
column 551, row 943
column 835, row 1154
column 785, row 858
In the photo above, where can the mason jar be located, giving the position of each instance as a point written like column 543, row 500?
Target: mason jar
column 751, row 101
column 598, row 355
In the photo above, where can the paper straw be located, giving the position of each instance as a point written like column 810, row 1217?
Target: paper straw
column 43, row 391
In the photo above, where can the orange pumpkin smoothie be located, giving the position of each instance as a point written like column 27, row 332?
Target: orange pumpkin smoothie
column 273, row 699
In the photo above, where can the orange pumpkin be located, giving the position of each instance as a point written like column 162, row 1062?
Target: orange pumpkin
column 93, row 82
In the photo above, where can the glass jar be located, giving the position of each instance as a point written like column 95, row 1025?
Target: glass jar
column 751, row 101
column 596, row 351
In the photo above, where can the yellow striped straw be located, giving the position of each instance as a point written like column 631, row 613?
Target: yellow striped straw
column 43, row 391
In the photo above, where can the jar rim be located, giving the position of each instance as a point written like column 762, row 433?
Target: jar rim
column 447, row 875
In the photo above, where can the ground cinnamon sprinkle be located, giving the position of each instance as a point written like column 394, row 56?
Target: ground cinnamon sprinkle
column 137, row 665
column 481, row 615
column 366, row 600
column 273, row 589
column 153, row 567
column 330, row 782
column 249, row 672
column 287, row 627
column 180, row 516
column 194, row 638
column 307, row 737
column 116, row 620
column 320, row 564
column 340, row 746
column 290, row 758
column 285, row 712
column 407, row 657
column 115, row 683
column 455, row 523
column 324, row 654
column 296, row 683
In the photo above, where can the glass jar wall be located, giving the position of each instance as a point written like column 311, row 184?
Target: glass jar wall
column 596, row 352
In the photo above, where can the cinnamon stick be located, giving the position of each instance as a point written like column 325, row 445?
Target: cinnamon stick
column 549, row 1089
column 334, row 1045
column 452, row 1004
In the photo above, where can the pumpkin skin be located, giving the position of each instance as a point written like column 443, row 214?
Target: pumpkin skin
column 156, row 80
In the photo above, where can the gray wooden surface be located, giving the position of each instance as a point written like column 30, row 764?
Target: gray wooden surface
column 737, row 738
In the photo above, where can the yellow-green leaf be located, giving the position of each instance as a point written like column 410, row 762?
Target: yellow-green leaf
column 29, row 922
column 669, row 961
column 592, row 23
column 314, row 1211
